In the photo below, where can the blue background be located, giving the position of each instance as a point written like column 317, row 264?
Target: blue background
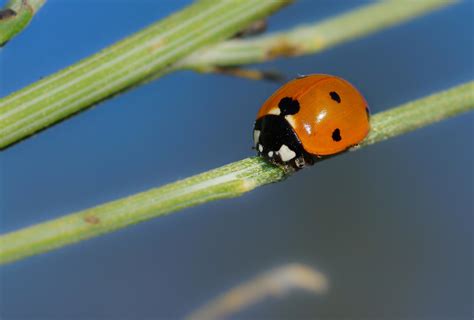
column 390, row 225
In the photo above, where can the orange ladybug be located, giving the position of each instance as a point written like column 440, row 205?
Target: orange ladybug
column 309, row 118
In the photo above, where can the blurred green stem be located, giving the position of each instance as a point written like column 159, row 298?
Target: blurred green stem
column 161, row 48
column 228, row 181
column 16, row 16
column 310, row 38
column 125, row 64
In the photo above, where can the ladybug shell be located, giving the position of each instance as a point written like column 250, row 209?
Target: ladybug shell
column 327, row 113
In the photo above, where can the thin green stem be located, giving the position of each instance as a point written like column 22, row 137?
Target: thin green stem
column 16, row 16
column 310, row 38
column 125, row 64
column 163, row 48
column 228, row 181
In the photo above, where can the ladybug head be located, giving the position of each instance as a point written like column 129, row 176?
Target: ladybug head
column 277, row 142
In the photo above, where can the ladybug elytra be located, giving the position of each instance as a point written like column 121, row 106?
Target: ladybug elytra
column 310, row 118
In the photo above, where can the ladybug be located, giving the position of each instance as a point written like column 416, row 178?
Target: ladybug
column 308, row 119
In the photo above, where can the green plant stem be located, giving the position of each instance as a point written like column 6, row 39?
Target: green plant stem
column 125, row 64
column 228, row 181
column 163, row 48
column 310, row 38
column 16, row 16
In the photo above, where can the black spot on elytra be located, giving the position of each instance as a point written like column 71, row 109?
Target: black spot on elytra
column 335, row 96
column 336, row 135
column 288, row 106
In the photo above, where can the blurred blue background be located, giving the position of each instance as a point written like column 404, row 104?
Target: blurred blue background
column 390, row 225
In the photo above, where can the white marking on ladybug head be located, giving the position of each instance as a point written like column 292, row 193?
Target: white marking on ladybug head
column 276, row 111
column 286, row 154
column 260, row 148
column 270, row 154
column 256, row 136
column 300, row 163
